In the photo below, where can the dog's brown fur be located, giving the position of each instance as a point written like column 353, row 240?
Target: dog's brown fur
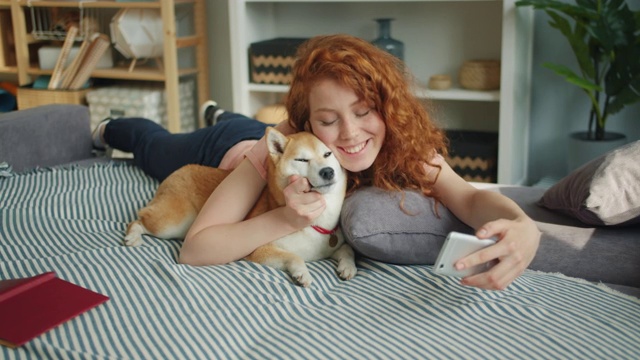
column 180, row 197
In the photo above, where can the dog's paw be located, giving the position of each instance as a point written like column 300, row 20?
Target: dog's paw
column 346, row 270
column 302, row 277
column 133, row 240
column 133, row 237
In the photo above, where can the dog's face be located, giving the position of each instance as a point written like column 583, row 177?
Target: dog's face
column 305, row 155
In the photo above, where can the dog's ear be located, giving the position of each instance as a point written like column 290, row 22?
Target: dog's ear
column 276, row 142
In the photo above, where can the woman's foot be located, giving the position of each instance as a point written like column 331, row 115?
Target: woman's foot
column 209, row 112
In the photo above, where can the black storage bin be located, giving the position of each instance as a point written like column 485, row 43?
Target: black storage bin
column 271, row 60
column 474, row 154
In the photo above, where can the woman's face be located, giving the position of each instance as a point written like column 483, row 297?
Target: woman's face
column 349, row 126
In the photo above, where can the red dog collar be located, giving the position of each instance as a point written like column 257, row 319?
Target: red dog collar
column 324, row 231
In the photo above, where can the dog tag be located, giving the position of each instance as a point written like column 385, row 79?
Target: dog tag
column 333, row 240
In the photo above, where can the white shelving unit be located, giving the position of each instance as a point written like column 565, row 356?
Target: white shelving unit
column 439, row 35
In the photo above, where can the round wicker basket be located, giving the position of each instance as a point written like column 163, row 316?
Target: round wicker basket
column 480, row 75
column 439, row 82
column 272, row 114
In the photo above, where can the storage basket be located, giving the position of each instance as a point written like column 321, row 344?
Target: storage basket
column 439, row 82
column 480, row 75
column 271, row 60
column 142, row 100
column 474, row 154
column 29, row 97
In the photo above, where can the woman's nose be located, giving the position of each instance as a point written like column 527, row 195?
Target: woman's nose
column 348, row 129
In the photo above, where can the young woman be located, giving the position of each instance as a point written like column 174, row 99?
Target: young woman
column 358, row 101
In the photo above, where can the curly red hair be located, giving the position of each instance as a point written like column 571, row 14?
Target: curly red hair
column 379, row 78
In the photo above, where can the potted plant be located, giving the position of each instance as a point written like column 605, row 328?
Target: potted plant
column 605, row 38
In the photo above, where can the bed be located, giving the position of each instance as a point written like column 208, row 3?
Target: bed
column 70, row 219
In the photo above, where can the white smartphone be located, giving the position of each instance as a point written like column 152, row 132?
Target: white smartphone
column 457, row 246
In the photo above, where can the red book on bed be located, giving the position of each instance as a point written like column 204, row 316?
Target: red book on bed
column 31, row 306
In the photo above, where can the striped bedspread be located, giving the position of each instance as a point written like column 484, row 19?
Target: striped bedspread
column 71, row 221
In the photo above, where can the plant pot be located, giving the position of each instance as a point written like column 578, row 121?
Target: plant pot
column 582, row 150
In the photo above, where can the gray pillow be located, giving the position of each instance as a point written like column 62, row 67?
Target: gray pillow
column 605, row 191
column 376, row 227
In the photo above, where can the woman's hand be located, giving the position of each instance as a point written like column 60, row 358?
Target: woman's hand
column 302, row 205
column 517, row 244
column 492, row 214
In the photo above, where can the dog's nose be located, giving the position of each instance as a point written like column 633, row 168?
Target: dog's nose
column 327, row 173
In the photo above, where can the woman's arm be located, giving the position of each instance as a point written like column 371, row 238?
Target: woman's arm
column 219, row 235
column 490, row 214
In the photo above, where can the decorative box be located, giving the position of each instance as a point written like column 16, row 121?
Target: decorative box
column 29, row 97
column 271, row 60
column 474, row 155
column 146, row 101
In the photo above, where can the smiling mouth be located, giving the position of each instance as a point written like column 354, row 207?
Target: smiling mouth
column 354, row 149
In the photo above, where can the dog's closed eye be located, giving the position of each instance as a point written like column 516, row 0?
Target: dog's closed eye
column 303, row 160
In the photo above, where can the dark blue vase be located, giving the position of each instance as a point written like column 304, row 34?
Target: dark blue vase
column 386, row 42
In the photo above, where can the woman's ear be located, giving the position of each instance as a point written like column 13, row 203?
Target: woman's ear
column 307, row 126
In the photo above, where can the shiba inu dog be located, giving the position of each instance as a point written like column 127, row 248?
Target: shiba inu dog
column 180, row 197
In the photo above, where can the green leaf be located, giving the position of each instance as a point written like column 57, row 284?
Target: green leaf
column 590, row 4
column 571, row 77
column 577, row 42
column 605, row 39
column 614, row 26
column 560, row 6
column 627, row 80
column 626, row 97
column 624, row 70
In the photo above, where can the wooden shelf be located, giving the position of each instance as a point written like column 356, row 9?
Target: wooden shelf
column 8, row 69
column 170, row 73
column 123, row 73
column 100, row 4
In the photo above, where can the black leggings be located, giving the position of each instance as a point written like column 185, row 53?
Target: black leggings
column 159, row 153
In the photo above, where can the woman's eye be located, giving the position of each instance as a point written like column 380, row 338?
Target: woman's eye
column 328, row 123
column 363, row 113
column 327, row 154
column 303, row 160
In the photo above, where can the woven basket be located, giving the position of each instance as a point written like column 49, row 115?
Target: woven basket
column 473, row 154
column 271, row 60
column 28, row 97
column 480, row 75
column 439, row 82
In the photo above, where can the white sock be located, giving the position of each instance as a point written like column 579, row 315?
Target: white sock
column 216, row 114
column 96, row 137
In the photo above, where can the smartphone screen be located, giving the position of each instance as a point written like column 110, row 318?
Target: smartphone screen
column 457, row 246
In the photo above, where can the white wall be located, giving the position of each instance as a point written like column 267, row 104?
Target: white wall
column 557, row 108
column 219, row 56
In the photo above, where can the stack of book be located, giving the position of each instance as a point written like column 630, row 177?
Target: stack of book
column 78, row 72
column 32, row 306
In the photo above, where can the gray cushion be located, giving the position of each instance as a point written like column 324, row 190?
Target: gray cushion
column 573, row 248
column 376, row 227
column 44, row 136
column 605, row 191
